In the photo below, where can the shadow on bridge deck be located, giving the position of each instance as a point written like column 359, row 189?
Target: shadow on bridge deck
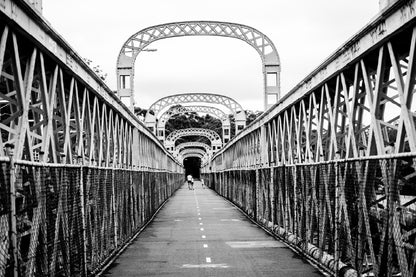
column 198, row 233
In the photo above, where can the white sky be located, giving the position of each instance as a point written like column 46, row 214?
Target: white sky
column 304, row 32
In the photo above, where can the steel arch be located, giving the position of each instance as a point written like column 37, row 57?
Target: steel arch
column 216, row 112
column 195, row 152
column 197, row 97
column 215, row 139
column 178, row 99
column 187, row 109
column 193, row 144
column 138, row 41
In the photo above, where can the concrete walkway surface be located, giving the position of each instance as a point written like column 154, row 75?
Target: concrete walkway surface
column 198, row 233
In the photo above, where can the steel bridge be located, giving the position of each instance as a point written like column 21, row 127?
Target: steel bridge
column 330, row 169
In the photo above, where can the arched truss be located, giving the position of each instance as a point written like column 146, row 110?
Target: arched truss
column 193, row 144
column 174, row 100
column 215, row 139
column 218, row 113
column 195, row 152
column 180, row 99
column 140, row 40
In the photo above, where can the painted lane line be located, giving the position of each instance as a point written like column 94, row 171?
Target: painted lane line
column 205, row 266
column 205, row 245
column 199, row 218
column 202, row 229
column 203, row 236
column 208, row 259
column 177, row 220
column 255, row 244
column 199, row 213
column 200, row 223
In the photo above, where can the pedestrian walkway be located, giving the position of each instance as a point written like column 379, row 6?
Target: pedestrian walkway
column 198, row 233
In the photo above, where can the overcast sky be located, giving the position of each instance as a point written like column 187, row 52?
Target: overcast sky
column 304, row 32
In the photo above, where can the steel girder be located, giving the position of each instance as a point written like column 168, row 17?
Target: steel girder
column 356, row 103
column 140, row 40
column 359, row 105
column 55, row 109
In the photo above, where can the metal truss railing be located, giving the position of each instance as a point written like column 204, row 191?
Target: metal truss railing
column 358, row 105
column 80, row 175
column 53, row 107
column 352, row 217
column 70, row 220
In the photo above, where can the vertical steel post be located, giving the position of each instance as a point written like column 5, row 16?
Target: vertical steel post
column 271, row 190
column 84, row 221
column 295, row 203
column 113, row 208
column 256, row 197
column 337, row 219
column 13, row 219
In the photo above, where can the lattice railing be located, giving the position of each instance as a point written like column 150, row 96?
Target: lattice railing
column 68, row 220
column 350, row 216
column 331, row 168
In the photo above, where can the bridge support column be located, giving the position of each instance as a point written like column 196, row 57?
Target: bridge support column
column 226, row 131
column 160, row 132
column 150, row 122
column 240, row 121
column 272, row 85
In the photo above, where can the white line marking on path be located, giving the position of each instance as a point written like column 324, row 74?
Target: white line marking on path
column 255, row 244
column 199, row 218
column 233, row 219
column 202, row 229
column 205, row 266
column 200, row 223
column 177, row 220
column 205, row 245
column 208, row 259
column 203, row 236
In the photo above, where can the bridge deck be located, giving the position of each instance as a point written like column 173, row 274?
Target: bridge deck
column 198, row 233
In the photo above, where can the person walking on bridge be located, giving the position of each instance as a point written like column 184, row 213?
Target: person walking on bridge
column 190, row 182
